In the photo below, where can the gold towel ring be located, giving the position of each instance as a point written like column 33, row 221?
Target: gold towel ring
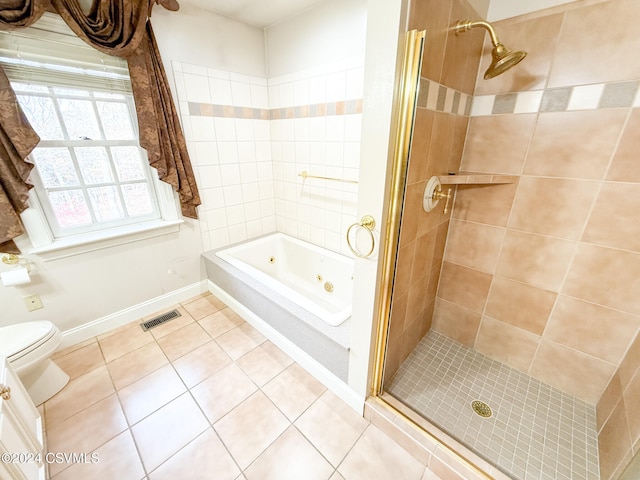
column 368, row 223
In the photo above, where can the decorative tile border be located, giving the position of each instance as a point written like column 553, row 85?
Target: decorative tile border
column 345, row 107
column 581, row 97
column 227, row 111
column 440, row 98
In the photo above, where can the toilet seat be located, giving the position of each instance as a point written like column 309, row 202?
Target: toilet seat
column 19, row 340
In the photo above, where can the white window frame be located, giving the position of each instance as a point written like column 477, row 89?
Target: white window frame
column 41, row 236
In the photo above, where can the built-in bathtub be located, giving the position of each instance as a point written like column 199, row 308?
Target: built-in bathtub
column 299, row 289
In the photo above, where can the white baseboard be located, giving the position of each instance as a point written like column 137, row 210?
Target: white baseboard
column 328, row 379
column 102, row 325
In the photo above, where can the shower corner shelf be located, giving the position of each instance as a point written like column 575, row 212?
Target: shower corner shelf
column 470, row 178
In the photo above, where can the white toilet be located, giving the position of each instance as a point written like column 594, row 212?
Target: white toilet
column 28, row 347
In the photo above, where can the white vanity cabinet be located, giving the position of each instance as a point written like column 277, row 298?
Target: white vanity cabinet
column 20, row 430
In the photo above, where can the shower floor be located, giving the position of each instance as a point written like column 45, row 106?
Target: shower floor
column 535, row 432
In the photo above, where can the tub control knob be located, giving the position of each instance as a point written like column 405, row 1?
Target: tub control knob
column 5, row 392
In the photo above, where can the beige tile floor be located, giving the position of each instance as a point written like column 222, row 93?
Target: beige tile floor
column 206, row 396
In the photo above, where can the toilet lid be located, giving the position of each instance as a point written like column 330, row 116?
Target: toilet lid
column 15, row 338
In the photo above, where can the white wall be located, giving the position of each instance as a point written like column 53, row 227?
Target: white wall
column 87, row 287
column 333, row 31
column 195, row 36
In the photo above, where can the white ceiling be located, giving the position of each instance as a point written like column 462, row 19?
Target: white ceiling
column 259, row 13
column 263, row 13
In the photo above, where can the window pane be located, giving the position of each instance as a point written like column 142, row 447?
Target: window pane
column 101, row 94
column 71, row 91
column 79, row 118
column 23, row 87
column 115, row 120
column 106, row 203
column 94, row 165
column 42, row 116
column 70, row 208
column 127, row 161
column 55, row 167
column 137, row 199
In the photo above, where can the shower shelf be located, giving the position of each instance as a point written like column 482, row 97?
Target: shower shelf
column 468, row 178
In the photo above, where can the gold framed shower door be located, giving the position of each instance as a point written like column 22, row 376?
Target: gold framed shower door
column 408, row 89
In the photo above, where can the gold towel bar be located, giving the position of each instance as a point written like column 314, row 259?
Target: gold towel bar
column 306, row 175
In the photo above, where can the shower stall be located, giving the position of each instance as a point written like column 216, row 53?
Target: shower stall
column 494, row 336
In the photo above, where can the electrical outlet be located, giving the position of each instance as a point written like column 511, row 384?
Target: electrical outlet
column 33, row 302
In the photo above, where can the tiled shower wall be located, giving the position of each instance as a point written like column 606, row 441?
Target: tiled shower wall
column 544, row 274
column 448, row 71
column 250, row 137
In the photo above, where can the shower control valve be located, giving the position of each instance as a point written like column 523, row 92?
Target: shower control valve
column 438, row 195
column 433, row 194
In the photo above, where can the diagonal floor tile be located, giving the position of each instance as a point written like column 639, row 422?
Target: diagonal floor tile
column 332, row 426
column 264, row 362
column 183, row 341
column 135, row 365
column 250, row 428
column 204, row 458
column 78, row 394
column 290, row 457
column 221, row 322
column 293, row 391
column 201, row 363
column 81, row 361
column 240, row 340
column 168, row 430
column 222, row 392
column 118, row 458
column 128, row 339
column 79, row 433
column 375, row 456
column 150, row 393
column 202, row 306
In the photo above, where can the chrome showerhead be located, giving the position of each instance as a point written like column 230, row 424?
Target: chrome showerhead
column 502, row 58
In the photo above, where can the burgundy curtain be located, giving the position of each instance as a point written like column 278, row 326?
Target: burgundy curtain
column 120, row 28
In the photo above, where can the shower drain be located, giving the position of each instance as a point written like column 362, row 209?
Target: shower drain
column 481, row 408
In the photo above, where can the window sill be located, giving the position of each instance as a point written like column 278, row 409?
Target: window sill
column 79, row 244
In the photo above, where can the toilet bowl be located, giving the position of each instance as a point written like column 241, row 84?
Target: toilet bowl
column 28, row 347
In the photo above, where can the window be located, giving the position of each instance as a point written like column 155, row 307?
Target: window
column 91, row 173
column 93, row 185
